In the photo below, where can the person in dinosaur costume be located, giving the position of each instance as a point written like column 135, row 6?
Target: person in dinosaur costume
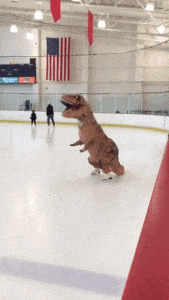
column 103, row 151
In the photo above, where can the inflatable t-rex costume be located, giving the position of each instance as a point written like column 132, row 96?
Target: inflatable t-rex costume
column 103, row 151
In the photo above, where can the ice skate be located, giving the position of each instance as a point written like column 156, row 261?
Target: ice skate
column 107, row 176
column 95, row 172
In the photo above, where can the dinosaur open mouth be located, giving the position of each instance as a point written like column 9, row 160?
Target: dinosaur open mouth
column 67, row 104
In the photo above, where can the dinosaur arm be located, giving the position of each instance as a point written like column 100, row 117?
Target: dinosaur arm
column 78, row 143
column 87, row 146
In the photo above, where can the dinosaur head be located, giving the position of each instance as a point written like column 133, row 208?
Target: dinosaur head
column 76, row 106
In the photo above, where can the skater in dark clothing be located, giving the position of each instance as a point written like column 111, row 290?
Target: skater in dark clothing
column 50, row 114
column 33, row 117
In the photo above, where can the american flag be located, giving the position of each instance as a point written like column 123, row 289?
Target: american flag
column 58, row 59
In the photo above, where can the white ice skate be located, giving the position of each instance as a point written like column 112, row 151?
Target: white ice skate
column 107, row 176
column 95, row 172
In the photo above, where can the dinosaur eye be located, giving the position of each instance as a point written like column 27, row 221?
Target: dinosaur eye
column 78, row 98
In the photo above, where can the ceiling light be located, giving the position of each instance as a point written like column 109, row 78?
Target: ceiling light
column 76, row 0
column 150, row 7
column 161, row 29
column 29, row 36
column 13, row 29
column 102, row 24
column 38, row 15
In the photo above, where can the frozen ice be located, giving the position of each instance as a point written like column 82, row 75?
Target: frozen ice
column 64, row 233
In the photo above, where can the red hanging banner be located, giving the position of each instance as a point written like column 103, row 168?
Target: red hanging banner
column 90, row 28
column 55, row 9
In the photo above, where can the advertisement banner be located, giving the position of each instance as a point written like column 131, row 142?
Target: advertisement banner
column 9, row 80
column 27, row 79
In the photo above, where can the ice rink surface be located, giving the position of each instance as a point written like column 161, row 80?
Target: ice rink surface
column 65, row 234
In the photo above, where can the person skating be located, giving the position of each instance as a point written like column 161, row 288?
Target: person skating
column 33, row 117
column 50, row 114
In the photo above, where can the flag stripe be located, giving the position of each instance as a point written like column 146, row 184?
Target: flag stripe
column 50, row 72
column 58, row 68
column 65, row 59
column 58, row 59
column 61, row 59
column 54, row 68
column 47, row 70
column 69, row 59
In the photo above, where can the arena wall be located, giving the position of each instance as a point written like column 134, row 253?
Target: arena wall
column 158, row 122
column 112, row 74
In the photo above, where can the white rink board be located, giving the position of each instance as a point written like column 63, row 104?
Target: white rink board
column 160, row 122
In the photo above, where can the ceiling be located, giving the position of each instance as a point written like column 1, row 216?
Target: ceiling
column 127, row 17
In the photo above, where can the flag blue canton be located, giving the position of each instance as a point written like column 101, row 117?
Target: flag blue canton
column 53, row 46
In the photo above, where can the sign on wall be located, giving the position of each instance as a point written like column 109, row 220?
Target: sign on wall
column 18, row 73
column 26, row 79
column 9, row 80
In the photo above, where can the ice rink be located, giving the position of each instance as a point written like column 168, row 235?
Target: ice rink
column 65, row 234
